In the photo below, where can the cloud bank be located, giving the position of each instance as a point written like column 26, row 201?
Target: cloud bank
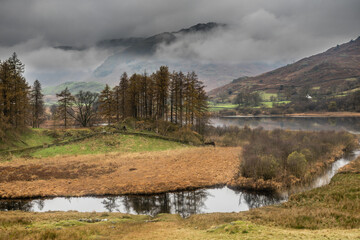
column 260, row 31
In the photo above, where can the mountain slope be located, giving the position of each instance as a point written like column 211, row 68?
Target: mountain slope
column 139, row 54
column 334, row 68
column 130, row 49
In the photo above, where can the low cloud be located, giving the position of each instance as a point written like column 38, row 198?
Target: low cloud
column 263, row 32
column 51, row 65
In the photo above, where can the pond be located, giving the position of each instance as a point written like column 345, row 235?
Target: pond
column 184, row 203
column 350, row 124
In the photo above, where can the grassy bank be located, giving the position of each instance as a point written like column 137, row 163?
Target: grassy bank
column 108, row 144
column 24, row 138
column 329, row 212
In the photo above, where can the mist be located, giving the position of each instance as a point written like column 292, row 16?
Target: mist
column 258, row 33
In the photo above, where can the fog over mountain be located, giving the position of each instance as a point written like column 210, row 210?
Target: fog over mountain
column 67, row 40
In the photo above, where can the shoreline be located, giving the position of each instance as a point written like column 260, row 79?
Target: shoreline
column 300, row 115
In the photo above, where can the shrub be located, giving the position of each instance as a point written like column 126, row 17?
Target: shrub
column 296, row 163
column 279, row 153
column 268, row 167
column 166, row 128
column 187, row 135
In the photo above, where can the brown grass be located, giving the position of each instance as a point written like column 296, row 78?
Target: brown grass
column 329, row 212
column 65, row 225
column 130, row 173
column 353, row 167
column 279, row 185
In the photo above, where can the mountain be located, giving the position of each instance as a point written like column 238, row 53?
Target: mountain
column 133, row 49
column 335, row 68
column 138, row 54
column 147, row 45
column 74, row 87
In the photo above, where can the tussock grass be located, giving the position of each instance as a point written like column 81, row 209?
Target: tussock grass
column 151, row 172
column 329, row 212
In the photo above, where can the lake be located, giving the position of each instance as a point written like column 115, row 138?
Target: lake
column 350, row 124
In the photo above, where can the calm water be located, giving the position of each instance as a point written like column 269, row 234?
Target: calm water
column 350, row 124
column 184, row 203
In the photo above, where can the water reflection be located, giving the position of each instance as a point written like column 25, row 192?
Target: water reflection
column 351, row 124
column 184, row 203
column 22, row 205
column 255, row 200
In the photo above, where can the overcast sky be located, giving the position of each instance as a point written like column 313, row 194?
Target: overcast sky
column 270, row 31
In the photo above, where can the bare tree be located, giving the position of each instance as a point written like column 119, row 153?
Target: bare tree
column 84, row 109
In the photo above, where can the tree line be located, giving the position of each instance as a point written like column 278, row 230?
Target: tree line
column 174, row 97
column 20, row 104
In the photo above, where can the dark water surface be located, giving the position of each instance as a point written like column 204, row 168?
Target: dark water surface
column 184, row 203
column 350, row 124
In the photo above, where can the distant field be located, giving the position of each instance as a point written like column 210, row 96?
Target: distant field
column 271, row 104
column 213, row 107
column 266, row 96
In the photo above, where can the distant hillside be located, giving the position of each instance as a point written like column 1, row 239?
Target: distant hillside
column 137, row 54
column 129, row 49
column 337, row 69
column 74, row 87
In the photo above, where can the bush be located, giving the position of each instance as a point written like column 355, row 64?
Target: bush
column 267, row 168
column 185, row 134
column 279, row 153
column 296, row 163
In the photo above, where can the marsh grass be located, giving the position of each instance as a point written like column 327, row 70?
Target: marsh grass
column 329, row 212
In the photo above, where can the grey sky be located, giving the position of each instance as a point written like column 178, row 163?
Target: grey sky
column 268, row 31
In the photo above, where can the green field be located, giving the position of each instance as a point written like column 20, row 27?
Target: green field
column 25, row 138
column 214, row 107
column 270, row 104
column 107, row 144
column 266, row 96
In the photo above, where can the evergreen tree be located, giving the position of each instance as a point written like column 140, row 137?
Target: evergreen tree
column 124, row 85
column 117, row 102
column 14, row 97
column 106, row 104
column 162, row 80
column 65, row 102
column 134, row 95
column 37, row 104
